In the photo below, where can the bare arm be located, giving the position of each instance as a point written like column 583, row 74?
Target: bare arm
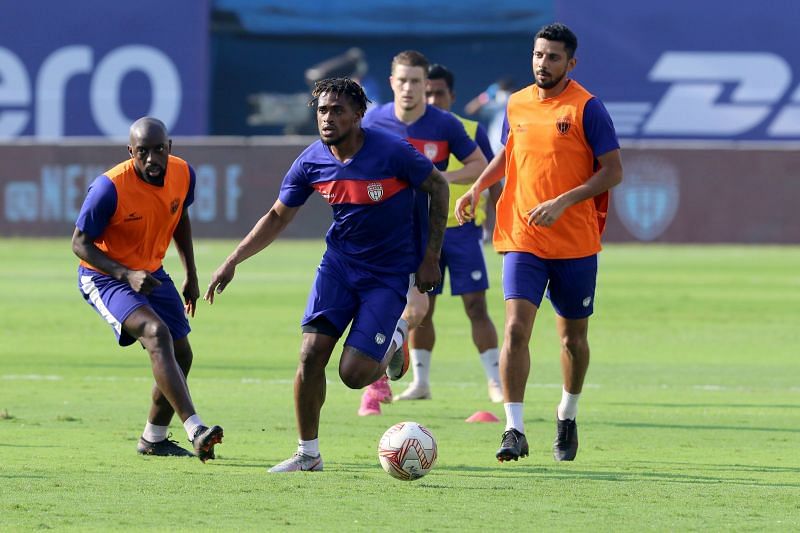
column 610, row 175
column 183, row 243
column 474, row 164
column 263, row 233
column 429, row 276
column 140, row 280
column 492, row 174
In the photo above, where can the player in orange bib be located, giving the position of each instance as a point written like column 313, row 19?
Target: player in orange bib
column 129, row 216
column 560, row 158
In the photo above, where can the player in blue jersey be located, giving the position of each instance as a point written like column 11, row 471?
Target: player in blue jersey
column 437, row 134
column 370, row 178
column 462, row 258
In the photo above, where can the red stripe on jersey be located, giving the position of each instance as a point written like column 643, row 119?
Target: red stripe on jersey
column 436, row 151
column 359, row 191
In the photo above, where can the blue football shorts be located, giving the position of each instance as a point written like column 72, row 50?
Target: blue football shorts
column 115, row 300
column 373, row 302
column 462, row 257
column 569, row 283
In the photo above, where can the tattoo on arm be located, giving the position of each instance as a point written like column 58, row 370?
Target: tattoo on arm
column 436, row 186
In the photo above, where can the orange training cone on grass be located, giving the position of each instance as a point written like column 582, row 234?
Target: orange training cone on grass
column 483, row 416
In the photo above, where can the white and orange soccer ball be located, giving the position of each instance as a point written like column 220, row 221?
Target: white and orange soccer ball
column 407, row 451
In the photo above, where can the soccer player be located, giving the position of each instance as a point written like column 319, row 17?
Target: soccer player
column 125, row 225
column 561, row 157
column 436, row 134
column 370, row 178
column 462, row 255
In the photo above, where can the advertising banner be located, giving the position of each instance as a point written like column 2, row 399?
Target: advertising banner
column 675, row 195
column 691, row 70
column 91, row 68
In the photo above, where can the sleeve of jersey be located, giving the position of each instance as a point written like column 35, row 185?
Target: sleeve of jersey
column 460, row 143
column 482, row 138
column 411, row 165
column 295, row 188
column 504, row 135
column 599, row 128
column 190, row 193
column 98, row 207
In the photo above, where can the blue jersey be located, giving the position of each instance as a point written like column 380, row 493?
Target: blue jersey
column 372, row 197
column 436, row 133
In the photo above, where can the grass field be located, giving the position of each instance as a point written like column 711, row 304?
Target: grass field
column 690, row 418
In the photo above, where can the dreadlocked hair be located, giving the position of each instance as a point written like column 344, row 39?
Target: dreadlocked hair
column 339, row 86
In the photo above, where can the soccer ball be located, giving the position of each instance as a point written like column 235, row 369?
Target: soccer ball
column 407, row 451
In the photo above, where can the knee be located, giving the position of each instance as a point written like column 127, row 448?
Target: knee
column 312, row 363
column 355, row 376
column 415, row 311
column 155, row 332
column 575, row 345
column 184, row 356
column 352, row 380
column 517, row 335
column 476, row 309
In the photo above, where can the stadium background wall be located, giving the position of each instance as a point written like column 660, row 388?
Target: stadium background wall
column 679, row 193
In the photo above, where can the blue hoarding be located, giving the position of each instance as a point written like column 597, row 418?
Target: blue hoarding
column 90, row 68
column 686, row 69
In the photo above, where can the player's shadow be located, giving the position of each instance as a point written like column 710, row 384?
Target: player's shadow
column 649, row 471
column 673, row 405
column 699, row 427
column 3, row 444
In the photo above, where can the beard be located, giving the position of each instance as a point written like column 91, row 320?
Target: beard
column 333, row 141
column 549, row 84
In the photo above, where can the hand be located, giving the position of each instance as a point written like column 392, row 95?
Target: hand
column 546, row 213
column 428, row 276
column 465, row 206
column 220, row 280
column 141, row 281
column 191, row 292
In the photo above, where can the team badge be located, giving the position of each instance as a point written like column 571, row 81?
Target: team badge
column 647, row 200
column 563, row 125
column 173, row 207
column 431, row 151
column 375, row 191
column 380, row 338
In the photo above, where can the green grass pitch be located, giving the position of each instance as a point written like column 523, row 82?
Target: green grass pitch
column 690, row 418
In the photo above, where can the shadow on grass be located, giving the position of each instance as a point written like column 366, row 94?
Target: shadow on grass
column 642, row 471
column 711, row 405
column 3, row 444
column 498, row 477
column 699, row 427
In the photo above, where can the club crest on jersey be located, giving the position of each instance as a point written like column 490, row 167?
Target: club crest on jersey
column 431, row 151
column 563, row 125
column 173, row 207
column 380, row 338
column 375, row 191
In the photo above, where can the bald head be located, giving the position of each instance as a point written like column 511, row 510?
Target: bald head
column 147, row 127
column 149, row 148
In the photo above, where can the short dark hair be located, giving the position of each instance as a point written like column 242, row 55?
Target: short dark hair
column 440, row 72
column 340, row 86
column 560, row 33
column 411, row 58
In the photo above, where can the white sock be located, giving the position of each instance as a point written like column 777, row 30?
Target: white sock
column 421, row 363
column 191, row 424
column 308, row 447
column 568, row 408
column 153, row 433
column 514, row 416
column 490, row 359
